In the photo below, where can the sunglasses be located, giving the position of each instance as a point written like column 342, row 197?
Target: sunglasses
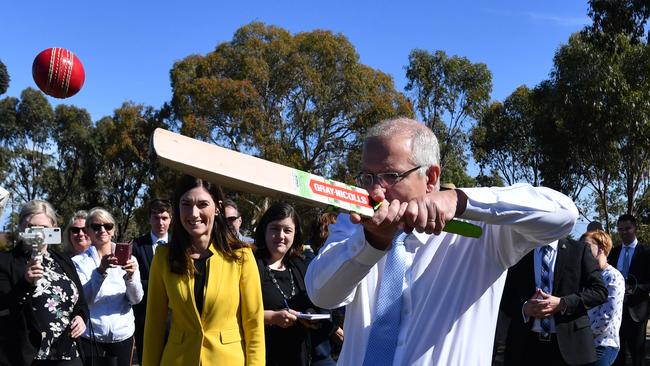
column 232, row 218
column 97, row 227
column 77, row 230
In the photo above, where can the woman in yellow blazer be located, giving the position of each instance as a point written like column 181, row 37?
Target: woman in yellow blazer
column 208, row 282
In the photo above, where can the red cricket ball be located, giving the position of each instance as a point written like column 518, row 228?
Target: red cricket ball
column 58, row 72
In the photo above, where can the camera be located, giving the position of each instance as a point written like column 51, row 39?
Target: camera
column 39, row 235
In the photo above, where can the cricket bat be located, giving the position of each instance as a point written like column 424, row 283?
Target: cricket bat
column 247, row 173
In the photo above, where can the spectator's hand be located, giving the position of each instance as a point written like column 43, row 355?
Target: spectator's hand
column 309, row 324
column 77, row 327
column 284, row 318
column 108, row 261
column 34, row 271
column 534, row 306
column 551, row 304
column 338, row 335
column 130, row 267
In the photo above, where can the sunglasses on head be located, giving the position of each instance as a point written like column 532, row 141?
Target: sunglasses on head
column 97, row 227
column 77, row 230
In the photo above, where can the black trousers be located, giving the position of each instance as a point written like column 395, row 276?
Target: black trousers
column 542, row 352
column 122, row 350
column 632, row 340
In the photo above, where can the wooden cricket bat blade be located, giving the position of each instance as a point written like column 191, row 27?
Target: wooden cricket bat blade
column 247, row 173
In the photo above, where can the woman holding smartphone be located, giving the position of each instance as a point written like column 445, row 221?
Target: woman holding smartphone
column 111, row 290
column 42, row 307
column 207, row 278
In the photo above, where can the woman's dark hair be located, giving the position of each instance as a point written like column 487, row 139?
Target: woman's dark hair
column 222, row 237
column 278, row 211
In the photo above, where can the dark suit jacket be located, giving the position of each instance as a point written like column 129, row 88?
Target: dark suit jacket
column 578, row 280
column 20, row 337
column 637, row 303
column 143, row 252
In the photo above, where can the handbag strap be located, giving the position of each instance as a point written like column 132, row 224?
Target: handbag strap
column 94, row 347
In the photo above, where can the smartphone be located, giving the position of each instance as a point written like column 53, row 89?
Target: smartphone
column 122, row 253
column 50, row 235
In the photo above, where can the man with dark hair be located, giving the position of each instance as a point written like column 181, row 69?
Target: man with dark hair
column 234, row 219
column 633, row 261
column 144, row 247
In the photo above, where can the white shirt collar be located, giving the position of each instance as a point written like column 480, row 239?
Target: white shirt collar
column 154, row 238
column 552, row 244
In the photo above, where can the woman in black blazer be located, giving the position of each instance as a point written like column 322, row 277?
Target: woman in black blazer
column 42, row 308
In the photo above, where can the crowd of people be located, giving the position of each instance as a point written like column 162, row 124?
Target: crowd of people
column 393, row 289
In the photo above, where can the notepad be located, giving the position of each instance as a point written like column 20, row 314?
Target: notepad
column 314, row 316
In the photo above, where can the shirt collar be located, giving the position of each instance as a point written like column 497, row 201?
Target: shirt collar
column 154, row 238
column 632, row 245
column 552, row 244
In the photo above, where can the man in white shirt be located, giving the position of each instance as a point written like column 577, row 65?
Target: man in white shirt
column 451, row 285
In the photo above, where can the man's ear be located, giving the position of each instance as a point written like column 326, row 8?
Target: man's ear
column 433, row 175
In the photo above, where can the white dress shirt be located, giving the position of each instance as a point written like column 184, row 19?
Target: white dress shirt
column 453, row 284
column 155, row 239
column 621, row 257
column 109, row 297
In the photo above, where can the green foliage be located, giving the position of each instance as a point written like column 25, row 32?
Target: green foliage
column 302, row 100
column 627, row 17
column 605, row 110
column 449, row 92
column 4, row 78
column 26, row 143
column 504, row 139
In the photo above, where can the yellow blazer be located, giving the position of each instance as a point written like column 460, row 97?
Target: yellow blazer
column 230, row 329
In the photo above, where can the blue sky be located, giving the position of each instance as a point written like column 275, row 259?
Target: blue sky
column 128, row 47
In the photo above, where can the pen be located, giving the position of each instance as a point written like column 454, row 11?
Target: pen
column 286, row 304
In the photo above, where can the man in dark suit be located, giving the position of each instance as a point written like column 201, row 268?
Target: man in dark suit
column 144, row 247
column 547, row 295
column 633, row 261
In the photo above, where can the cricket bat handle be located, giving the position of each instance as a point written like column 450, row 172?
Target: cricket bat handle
column 463, row 228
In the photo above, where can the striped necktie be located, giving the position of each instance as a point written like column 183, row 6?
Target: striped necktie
column 385, row 327
column 547, row 252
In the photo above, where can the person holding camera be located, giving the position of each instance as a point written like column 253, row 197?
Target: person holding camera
column 42, row 306
column 111, row 289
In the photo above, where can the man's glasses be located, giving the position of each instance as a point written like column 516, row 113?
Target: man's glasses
column 97, row 227
column 232, row 218
column 385, row 180
column 77, row 230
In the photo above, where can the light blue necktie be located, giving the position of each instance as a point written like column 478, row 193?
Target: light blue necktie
column 546, row 284
column 626, row 261
column 385, row 327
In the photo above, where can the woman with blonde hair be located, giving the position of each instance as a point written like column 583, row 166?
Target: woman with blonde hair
column 606, row 318
column 111, row 291
column 75, row 238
